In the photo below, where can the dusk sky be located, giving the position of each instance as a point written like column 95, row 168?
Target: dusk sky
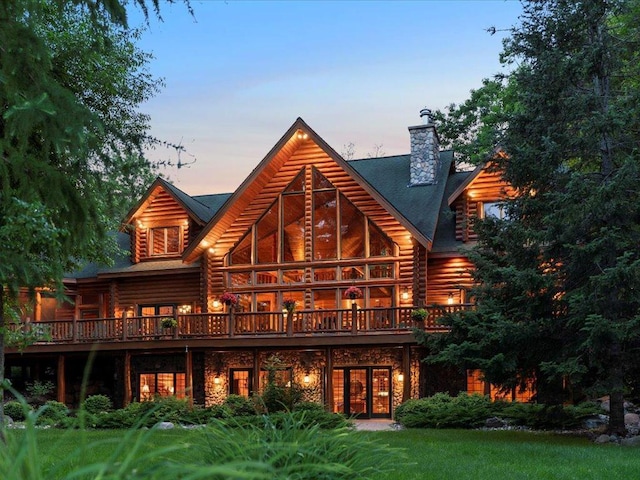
column 239, row 74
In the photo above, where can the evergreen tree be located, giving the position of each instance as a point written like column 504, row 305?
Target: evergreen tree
column 559, row 278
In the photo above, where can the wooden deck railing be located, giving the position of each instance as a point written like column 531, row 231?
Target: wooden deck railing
column 356, row 321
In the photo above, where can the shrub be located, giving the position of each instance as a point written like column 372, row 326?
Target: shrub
column 471, row 411
column 97, row 403
column 38, row 392
column 444, row 411
column 53, row 413
column 549, row 417
column 239, row 406
column 16, row 410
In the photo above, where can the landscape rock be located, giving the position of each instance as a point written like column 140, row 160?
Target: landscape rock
column 595, row 422
column 631, row 441
column 604, row 438
column 495, row 422
column 631, row 418
column 165, row 426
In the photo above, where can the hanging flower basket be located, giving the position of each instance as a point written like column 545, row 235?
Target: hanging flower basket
column 289, row 304
column 229, row 298
column 168, row 322
column 419, row 314
column 353, row 293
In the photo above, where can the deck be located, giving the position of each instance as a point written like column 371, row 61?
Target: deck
column 238, row 326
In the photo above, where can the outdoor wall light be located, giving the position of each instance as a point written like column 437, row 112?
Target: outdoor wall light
column 450, row 299
column 216, row 380
column 306, row 378
column 401, row 377
column 216, row 304
column 405, row 294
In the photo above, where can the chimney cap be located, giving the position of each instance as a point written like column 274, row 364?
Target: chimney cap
column 425, row 115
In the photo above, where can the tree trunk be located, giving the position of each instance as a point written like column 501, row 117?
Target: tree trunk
column 616, row 396
column 2, row 379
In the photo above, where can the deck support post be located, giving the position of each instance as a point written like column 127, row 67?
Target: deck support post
column 406, row 371
column 256, row 369
column 189, row 374
column 127, row 378
column 329, row 378
column 61, row 393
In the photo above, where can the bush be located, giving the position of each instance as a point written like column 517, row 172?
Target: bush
column 471, row 411
column 239, row 406
column 53, row 413
column 97, row 403
column 16, row 410
column 38, row 392
column 444, row 411
column 279, row 398
column 549, row 417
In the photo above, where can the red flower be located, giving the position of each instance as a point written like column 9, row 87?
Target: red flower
column 353, row 292
column 229, row 298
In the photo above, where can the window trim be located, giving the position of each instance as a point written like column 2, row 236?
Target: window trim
column 150, row 241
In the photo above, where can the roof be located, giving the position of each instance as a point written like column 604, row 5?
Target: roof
column 213, row 202
column 195, row 205
column 445, row 238
column 419, row 204
column 423, row 209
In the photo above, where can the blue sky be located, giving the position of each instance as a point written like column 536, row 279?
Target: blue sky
column 239, row 74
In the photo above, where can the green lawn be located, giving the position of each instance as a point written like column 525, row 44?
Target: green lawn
column 423, row 454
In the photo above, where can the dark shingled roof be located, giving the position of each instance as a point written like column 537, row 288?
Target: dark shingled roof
column 419, row 204
column 445, row 240
column 121, row 260
column 212, row 202
column 198, row 208
column 424, row 206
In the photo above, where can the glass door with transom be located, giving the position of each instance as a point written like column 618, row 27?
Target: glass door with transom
column 364, row 392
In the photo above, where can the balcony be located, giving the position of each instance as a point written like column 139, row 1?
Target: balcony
column 355, row 322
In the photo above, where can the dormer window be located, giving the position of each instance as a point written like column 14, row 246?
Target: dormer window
column 164, row 241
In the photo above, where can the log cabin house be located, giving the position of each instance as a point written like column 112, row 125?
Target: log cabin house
column 305, row 226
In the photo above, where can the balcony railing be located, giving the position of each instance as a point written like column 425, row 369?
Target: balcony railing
column 355, row 321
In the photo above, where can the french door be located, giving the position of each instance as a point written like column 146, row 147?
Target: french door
column 364, row 392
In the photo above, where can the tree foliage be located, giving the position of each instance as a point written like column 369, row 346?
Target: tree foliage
column 71, row 137
column 559, row 278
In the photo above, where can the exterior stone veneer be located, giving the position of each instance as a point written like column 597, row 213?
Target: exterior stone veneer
column 311, row 362
column 425, row 155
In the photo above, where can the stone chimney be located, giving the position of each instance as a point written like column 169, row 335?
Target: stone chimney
column 425, row 151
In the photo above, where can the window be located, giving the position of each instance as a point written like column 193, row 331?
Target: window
column 339, row 229
column 282, row 377
column 164, row 241
column 477, row 385
column 162, row 385
column 493, row 210
column 150, row 310
column 240, row 381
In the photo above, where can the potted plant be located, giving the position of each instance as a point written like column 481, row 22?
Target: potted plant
column 419, row 314
column 168, row 322
column 353, row 293
column 229, row 298
column 289, row 304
